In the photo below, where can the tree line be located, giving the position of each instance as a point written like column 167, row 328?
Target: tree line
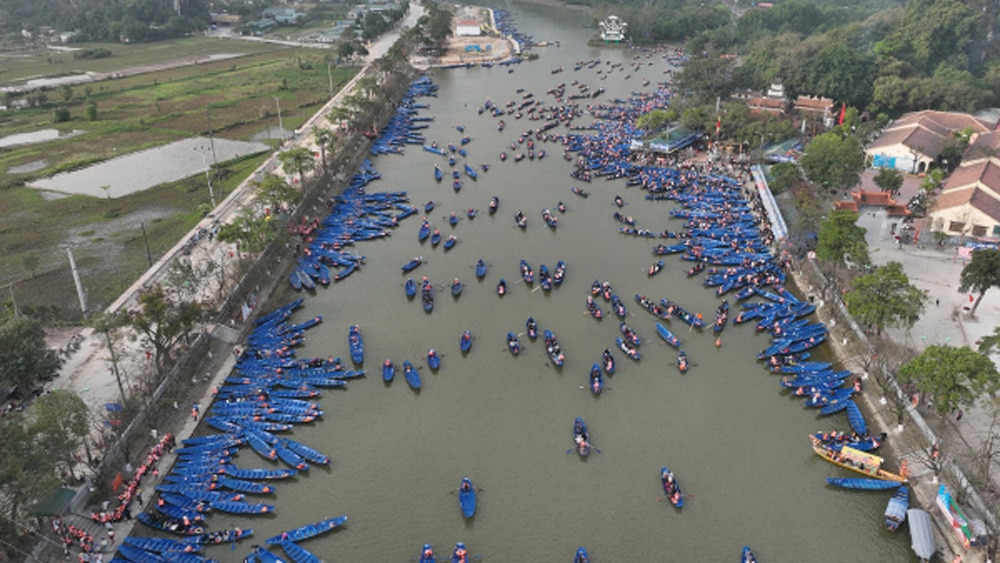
column 105, row 20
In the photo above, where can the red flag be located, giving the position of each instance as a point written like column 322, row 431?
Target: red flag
column 843, row 110
column 718, row 124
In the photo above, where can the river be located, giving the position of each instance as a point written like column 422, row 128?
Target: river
column 737, row 444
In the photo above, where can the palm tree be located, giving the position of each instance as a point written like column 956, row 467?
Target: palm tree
column 323, row 138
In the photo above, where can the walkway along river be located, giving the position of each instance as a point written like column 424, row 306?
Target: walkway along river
column 736, row 443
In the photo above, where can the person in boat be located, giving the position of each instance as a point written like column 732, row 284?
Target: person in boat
column 460, row 552
column 466, row 486
column 428, row 552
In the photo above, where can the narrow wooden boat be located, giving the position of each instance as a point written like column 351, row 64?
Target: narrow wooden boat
column 429, row 206
column 721, row 316
column 305, row 279
column 167, row 524
column 579, row 191
column 467, row 498
column 559, row 273
column 553, row 349
column 581, row 438
column 594, row 309
column 240, row 507
column 356, row 345
column 427, row 296
column 480, row 269
column 494, row 205
column 470, row 213
column 520, row 219
column 858, row 461
column 137, row 555
column 682, row 361
column 836, row 440
column 413, row 263
column 531, row 328
column 312, row 455
column 411, row 374
column 427, row 554
column 410, row 287
column 433, row 359
column 667, row 336
column 452, row 219
column 895, row 511
column 423, row 233
column 456, row 287
column 550, row 219
column 655, row 268
column 581, row 556
column 436, row 237
column 512, row 343
column 748, row 556
column 596, row 379
column 502, row 287
column 308, row 531
column 671, row 490
column 438, row 175
column 298, row 554
column 294, row 280
column 861, row 484
column 619, row 202
column 159, row 545
column 265, row 556
column 465, row 342
column 856, row 419
column 527, row 274
column 544, row 277
column 388, row 371
column 697, row 269
column 618, row 307
column 608, row 362
column 460, row 554
column 220, row 537
column 629, row 334
column 627, row 348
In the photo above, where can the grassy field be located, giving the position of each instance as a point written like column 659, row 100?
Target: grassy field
column 234, row 98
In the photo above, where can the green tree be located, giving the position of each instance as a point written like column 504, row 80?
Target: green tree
column 839, row 235
column 885, row 298
column 656, row 119
column 67, row 93
column 249, row 231
column 162, row 322
column 782, row 176
column 297, row 161
column 834, row 160
column 980, row 274
column 90, row 111
column 889, row 180
column 954, row 377
column 26, row 473
column 61, row 114
column 272, row 191
column 60, row 423
column 24, row 357
column 323, row 138
column 110, row 325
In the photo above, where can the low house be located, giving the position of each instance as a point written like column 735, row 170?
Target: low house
column 864, row 199
column 284, row 16
column 467, row 28
column 913, row 142
column 970, row 202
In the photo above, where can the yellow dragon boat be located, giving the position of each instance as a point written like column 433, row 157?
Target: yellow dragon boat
column 860, row 462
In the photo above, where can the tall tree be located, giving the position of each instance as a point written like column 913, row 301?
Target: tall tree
column 840, row 237
column 954, row 377
column 834, row 160
column 323, row 138
column 885, row 298
column 249, row 231
column 27, row 471
column 110, row 325
column 60, row 422
column 162, row 322
column 24, row 357
column 297, row 161
column 889, row 180
column 272, row 191
column 980, row 274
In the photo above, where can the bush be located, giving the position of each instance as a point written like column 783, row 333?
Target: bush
column 94, row 53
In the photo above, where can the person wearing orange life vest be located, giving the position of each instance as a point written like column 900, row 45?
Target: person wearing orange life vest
column 460, row 553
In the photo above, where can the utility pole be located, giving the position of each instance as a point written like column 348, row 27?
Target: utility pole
column 208, row 178
column 329, row 76
column 76, row 280
column 145, row 241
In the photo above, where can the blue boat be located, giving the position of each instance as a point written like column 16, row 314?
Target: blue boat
column 411, row 374
column 559, row 273
column 427, row 296
column 265, row 556
column 422, row 234
column 460, row 555
column 308, row 531
column 167, row 524
column 257, row 474
column 629, row 350
column 435, row 149
column 456, row 288
column 388, row 371
column 416, row 261
column 596, row 379
column 137, row 555
column 298, row 553
column 159, row 545
column 480, row 269
column 553, row 349
column 219, row 537
column 667, row 336
column 436, row 237
column 470, row 172
column 581, row 556
column 410, row 287
column 527, row 274
column 860, row 483
column 671, row 490
column 453, row 219
column 437, row 173
column 427, row 554
column 465, row 343
column 748, row 556
column 240, row 507
column 305, row 451
column 856, row 419
column 502, row 287
column 467, row 498
column 356, row 344
column 433, row 359
column 895, row 511
column 294, row 280
column 608, row 361
column 581, row 438
column 531, row 328
column 304, row 278
column 512, row 343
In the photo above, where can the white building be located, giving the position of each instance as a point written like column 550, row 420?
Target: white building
column 467, row 28
column 613, row 29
